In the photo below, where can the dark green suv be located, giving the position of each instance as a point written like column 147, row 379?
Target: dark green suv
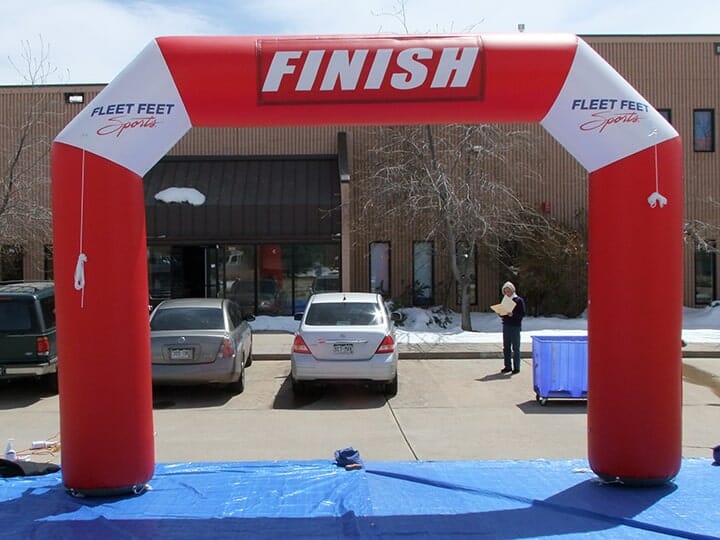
column 28, row 346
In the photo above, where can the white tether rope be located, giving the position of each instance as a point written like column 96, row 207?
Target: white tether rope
column 82, row 258
column 656, row 198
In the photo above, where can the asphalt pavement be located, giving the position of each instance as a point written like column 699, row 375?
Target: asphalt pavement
column 452, row 404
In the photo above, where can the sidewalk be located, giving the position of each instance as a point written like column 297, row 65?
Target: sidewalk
column 277, row 345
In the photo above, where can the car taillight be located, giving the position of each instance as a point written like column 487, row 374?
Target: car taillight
column 43, row 346
column 387, row 346
column 299, row 346
column 227, row 349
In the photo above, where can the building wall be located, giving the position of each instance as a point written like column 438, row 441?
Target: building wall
column 679, row 73
column 45, row 110
column 266, row 141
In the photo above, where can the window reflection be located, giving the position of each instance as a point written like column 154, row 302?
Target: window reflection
column 263, row 279
column 380, row 268
column 703, row 130
column 422, row 273
column 11, row 262
column 704, row 275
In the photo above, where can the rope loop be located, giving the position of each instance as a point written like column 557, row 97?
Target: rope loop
column 80, row 272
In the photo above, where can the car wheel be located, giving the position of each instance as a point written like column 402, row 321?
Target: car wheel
column 238, row 386
column 51, row 382
column 299, row 387
column 391, row 388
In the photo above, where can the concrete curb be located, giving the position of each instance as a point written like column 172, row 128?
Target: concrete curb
column 465, row 355
column 277, row 345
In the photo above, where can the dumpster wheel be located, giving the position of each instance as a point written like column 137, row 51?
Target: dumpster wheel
column 541, row 400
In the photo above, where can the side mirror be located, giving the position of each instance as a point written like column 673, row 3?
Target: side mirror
column 298, row 316
column 395, row 316
column 249, row 317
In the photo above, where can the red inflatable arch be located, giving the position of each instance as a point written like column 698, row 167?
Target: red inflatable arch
column 633, row 156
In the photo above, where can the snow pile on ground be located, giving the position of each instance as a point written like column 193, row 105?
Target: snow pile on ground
column 700, row 325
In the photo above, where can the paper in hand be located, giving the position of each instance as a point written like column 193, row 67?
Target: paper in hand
column 505, row 307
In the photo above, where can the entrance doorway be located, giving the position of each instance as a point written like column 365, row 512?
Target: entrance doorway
column 264, row 279
column 183, row 272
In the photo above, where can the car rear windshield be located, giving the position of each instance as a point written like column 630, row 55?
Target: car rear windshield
column 188, row 319
column 344, row 314
column 17, row 315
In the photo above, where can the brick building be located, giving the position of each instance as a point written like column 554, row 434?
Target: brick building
column 282, row 205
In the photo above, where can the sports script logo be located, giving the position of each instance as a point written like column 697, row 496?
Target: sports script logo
column 604, row 113
column 119, row 118
column 344, row 70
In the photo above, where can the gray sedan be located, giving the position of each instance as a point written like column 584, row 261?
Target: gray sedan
column 200, row 341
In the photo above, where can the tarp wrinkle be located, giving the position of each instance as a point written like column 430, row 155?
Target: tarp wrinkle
column 318, row 499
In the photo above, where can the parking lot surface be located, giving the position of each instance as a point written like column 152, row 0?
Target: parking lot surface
column 445, row 409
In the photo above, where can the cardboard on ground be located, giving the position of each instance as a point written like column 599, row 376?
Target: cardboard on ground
column 505, row 307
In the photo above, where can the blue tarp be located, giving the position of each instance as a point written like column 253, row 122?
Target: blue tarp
column 409, row 500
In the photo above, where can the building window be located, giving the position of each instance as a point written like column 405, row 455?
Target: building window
column 316, row 270
column 264, row 279
column 666, row 114
column 380, row 268
column 11, row 263
column 704, row 130
column 274, row 263
column 159, row 273
column 289, row 274
column 422, row 273
column 704, row 276
column 48, row 263
column 466, row 259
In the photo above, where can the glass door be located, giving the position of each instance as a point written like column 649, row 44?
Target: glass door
column 213, row 256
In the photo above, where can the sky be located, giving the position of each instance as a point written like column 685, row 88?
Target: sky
column 91, row 41
column 700, row 325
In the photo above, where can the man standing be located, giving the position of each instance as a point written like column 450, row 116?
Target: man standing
column 512, row 325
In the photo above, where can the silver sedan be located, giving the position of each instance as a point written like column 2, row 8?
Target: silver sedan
column 345, row 337
column 200, row 341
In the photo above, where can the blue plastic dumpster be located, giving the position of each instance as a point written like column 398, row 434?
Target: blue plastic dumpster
column 559, row 367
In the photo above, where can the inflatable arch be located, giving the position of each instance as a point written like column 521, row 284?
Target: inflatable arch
column 633, row 157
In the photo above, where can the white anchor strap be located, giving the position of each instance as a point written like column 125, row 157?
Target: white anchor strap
column 80, row 272
column 82, row 258
column 656, row 199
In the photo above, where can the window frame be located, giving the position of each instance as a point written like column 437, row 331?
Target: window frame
column 697, row 127
column 666, row 114
column 373, row 261
column 708, row 256
column 427, row 300
column 12, row 262
column 48, row 264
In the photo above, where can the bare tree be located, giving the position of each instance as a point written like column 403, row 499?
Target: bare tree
column 551, row 263
column 26, row 139
column 700, row 233
column 454, row 183
column 398, row 12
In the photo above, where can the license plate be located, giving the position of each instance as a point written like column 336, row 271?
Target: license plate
column 343, row 348
column 181, row 354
